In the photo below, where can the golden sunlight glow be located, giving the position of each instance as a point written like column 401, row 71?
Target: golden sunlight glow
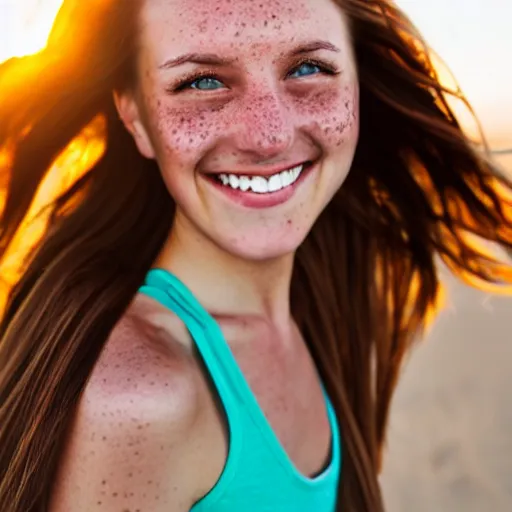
column 78, row 157
column 24, row 30
column 25, row 26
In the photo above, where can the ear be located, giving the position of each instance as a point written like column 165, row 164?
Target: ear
column 129, row 112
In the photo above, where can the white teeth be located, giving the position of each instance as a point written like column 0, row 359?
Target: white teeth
column 262, row 185
column 245, row 183
column 233, row 181
column 274, row 183
column 259, row 184
column 286, row 178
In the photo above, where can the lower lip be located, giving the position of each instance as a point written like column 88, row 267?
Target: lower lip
column 267, row 200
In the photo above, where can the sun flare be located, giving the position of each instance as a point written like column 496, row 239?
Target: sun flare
column 24, row 29
column 25, row 26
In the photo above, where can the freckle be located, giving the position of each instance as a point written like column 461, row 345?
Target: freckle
column 103, row 482
column 130, row 475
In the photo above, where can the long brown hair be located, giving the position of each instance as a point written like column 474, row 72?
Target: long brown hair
column 365, row 279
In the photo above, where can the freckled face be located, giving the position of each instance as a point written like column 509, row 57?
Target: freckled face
column 275, row 102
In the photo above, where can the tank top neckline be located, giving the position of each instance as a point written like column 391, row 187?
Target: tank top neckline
column 182, row 298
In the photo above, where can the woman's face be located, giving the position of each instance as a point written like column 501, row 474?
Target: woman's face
column 250, row 108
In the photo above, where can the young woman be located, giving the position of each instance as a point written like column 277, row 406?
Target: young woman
column 216, row 314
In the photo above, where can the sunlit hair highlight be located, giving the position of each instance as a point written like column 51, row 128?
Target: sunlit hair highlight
column 365, row 281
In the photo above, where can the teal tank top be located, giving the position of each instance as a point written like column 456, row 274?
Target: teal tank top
column 258, row 475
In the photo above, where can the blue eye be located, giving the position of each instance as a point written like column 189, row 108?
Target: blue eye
column 306, row 69
column 208, row 83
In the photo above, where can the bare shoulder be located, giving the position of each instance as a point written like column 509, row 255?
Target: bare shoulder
column 129, row 444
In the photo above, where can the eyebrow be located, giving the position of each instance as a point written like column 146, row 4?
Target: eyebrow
column 211, row 59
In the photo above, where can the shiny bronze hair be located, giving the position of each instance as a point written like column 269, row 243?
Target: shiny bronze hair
column 365, row 279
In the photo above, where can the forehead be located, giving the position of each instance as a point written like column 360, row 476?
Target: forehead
column 192, row 25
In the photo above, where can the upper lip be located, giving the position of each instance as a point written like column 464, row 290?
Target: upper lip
column 263, row 171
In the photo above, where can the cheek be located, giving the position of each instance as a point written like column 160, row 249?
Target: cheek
column 332, row 115
column 184, row 133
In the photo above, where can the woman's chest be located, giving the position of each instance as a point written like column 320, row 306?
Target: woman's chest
column 283, row 379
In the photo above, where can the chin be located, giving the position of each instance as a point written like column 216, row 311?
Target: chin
column 263, row 248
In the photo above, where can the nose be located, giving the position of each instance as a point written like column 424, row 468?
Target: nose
column 265, row 126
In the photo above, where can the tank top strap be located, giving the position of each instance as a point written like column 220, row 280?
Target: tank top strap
column 220, row 362
column 169, row 291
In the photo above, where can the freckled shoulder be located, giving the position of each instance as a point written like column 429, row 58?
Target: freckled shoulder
column 131, row 444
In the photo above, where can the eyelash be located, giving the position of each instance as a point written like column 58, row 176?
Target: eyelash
column 325, row 68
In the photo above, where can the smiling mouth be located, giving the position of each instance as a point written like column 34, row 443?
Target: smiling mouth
column 262, row 184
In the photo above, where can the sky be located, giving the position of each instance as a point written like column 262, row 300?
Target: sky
column 474, row 38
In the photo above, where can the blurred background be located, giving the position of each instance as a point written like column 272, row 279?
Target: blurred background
column 450, row 440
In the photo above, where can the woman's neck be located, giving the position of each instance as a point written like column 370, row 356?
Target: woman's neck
column 225, row 284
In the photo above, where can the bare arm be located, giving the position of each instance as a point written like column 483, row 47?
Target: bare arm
column 127, row 451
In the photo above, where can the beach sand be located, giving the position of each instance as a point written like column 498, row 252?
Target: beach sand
column 449, row 445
